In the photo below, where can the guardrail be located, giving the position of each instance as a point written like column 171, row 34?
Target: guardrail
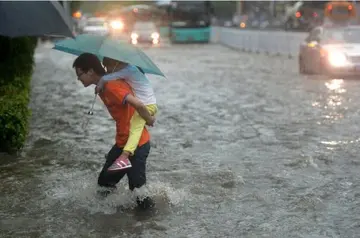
column 267, row 42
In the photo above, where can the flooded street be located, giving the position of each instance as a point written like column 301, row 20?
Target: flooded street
column 243, row 147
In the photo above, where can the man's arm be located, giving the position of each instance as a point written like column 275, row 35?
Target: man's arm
column 140, row 108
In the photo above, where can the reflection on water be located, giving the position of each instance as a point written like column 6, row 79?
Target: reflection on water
column 333, row 102
column 213, row 172
column 335, row 99
column 336, row 85
column 340, row 142
column 335, row 107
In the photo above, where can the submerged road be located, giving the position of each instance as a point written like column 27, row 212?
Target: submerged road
column 243, row 147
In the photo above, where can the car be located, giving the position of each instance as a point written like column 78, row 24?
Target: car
column 145, row 32
column 331, row 51
column 96, row 26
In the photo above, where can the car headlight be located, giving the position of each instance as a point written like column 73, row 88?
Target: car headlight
column 134, row 36
column 337, row 59
column 155, row 35
column 117, row 25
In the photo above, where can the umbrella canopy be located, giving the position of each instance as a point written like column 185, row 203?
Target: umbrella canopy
column 34, row 18
column 103, row 46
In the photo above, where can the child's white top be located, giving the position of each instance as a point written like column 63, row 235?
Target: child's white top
column 139, row 83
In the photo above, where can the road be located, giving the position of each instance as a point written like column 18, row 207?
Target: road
column 243, row 147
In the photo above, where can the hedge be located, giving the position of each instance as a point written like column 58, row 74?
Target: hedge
column 16, row 67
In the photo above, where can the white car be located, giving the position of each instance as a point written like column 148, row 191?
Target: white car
column 145, row 32
column 331, row 51
column 96, row 26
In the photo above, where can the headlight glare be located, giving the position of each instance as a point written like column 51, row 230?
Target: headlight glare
column 134, row 36
column 337, row 59
column 118, row 25
column 155, row 35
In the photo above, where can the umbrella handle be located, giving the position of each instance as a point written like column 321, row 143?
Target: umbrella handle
column 91, row 111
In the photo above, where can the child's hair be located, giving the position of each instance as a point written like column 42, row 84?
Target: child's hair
column 111, row 62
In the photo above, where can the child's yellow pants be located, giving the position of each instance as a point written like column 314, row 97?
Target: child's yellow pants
column 137, row 124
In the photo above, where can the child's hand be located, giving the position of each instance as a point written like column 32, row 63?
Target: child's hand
column 151, row 121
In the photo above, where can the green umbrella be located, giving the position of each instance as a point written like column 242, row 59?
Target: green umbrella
column 103, row 46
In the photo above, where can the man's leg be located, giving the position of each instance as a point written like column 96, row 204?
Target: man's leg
column 107, row 179
column 137, row 173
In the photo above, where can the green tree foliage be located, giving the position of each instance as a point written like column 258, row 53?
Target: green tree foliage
column 16, row 67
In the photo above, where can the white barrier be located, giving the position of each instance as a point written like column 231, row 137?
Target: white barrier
column 268, row 42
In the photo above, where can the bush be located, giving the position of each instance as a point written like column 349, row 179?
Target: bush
column 16, row 67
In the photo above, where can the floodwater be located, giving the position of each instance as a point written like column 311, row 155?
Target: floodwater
column 243, row 147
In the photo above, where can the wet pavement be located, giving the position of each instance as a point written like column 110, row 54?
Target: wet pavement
column 243, row 147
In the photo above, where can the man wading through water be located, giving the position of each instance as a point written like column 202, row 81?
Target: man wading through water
column 121, row 104
column 141, row 86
